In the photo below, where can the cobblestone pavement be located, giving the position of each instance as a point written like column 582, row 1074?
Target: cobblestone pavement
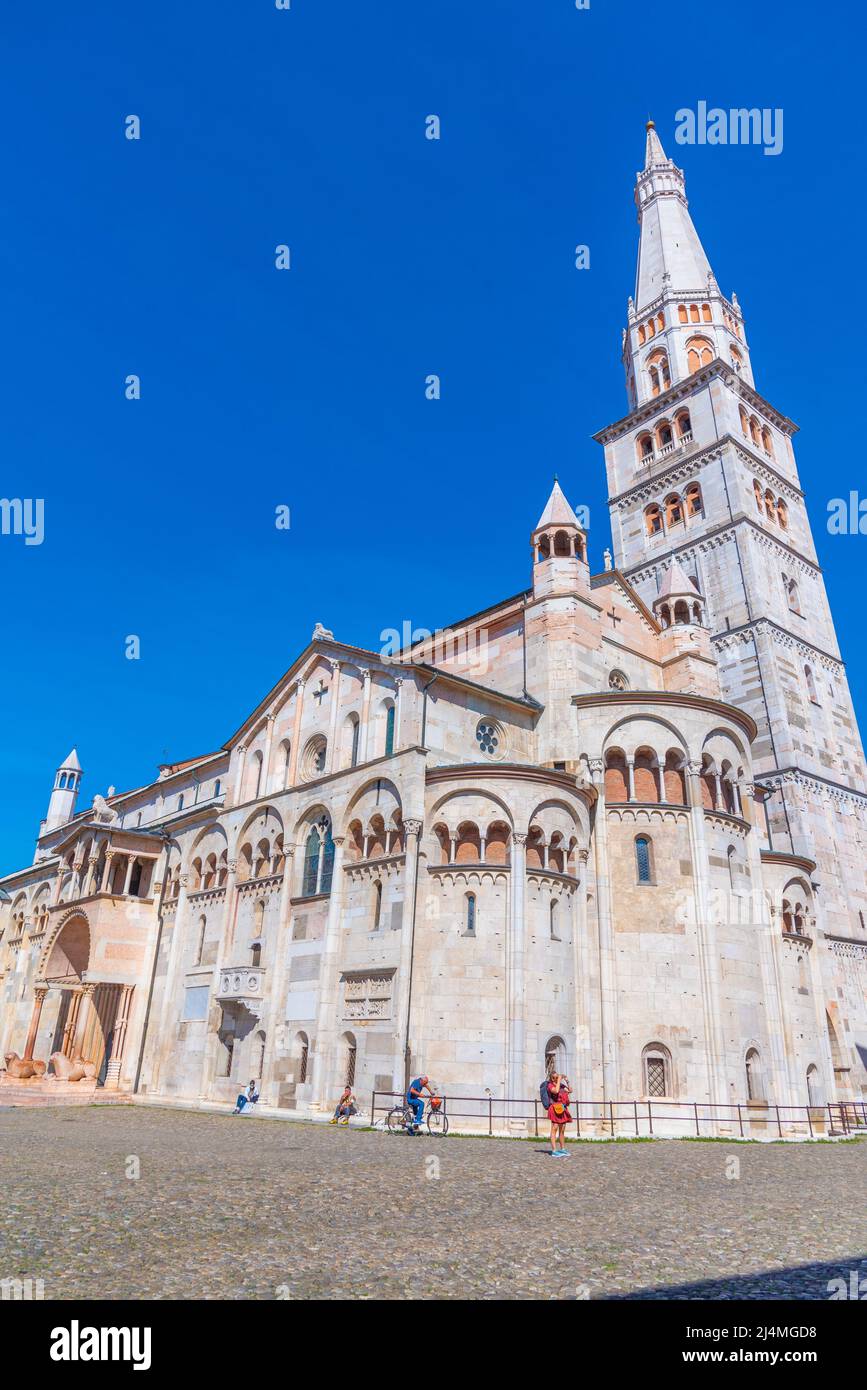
column 253, row 1208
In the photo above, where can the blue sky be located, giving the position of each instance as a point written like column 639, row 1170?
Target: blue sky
column 409, row 256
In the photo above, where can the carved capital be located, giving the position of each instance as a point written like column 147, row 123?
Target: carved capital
column 597, row 768
column 518, row 838
column 693, row 768
column 412, row 827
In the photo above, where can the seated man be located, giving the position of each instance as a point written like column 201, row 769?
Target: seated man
column 346, row 1108
column 415, row 1099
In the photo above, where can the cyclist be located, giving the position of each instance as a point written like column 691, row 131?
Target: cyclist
column 415, row 1100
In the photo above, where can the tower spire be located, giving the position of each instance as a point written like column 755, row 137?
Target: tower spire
column 678, row 321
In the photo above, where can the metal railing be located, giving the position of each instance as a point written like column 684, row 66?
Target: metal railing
column 636, row 1118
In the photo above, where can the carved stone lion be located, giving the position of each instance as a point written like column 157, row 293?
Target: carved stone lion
column 21, row 1068
column 72, row 1068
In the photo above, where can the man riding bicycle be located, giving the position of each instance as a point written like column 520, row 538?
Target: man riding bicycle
column 415, row 1100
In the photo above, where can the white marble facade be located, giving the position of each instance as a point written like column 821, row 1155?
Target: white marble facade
column 616, row 819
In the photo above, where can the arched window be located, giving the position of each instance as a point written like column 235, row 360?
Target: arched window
column 767, row 441
column 673, row 511
column 302, row 1046
column 811, row 685
column 694, row 506
column 782, row 514
column 470, row 914
column 814, row 1096
column 730, row 858
column 792, row 598
column 286, row 760
column 684, row 426
column 653, row 520
column 644, row 448
column 616, row 784
column 682, row 315
column 552, row 919
column 555, row 1057
column 705, row 313
column 217, row 787
column 351, row 1054
column 318, row 860
column 657, row 367
column 754, row 1078
column 737, row 361
column 389, row 731
column 377, row 905
column 256, row 776
column 745, row 420
column 693, row 313
column 643, row 865
column 656, row 1066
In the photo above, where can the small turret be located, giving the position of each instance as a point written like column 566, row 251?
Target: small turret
column 678, row 600
column 61, row 805
column 559, row 548
column 684, row 643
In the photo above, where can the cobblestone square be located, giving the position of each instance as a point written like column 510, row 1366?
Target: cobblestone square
column 251, row 1208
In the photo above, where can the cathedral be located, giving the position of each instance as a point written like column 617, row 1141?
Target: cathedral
column 612, row 825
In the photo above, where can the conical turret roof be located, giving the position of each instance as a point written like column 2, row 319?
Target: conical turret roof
column 677, row 583
column 557, row 511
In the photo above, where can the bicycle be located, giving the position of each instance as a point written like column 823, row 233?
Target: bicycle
column 401, row 1117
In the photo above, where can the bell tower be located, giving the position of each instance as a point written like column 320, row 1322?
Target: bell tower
column 703, row 483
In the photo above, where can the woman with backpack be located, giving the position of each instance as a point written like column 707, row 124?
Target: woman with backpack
column 559, row 1092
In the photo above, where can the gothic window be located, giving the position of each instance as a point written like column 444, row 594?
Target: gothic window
column 318, row 860
column 656, row 1065
column 470, row 914
column 673, row 511
column 653, row 520
column 782, row 514
column 642, row 859
column 552, row 915
column 767, row 441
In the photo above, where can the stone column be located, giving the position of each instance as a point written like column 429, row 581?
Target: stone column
column 175, row 961
column 295, row 750
column 121, row 1025
column 333, row 758
column 211, row 1038
column 367, row 691
column 82, row 1021
column 607, row 960
column 663, row 797
column 130, row 864
column 266, row 756
column 327, row 1013
column 398, row 711
column 239, row 774
column 630, row 772
column 516, row 1033
column 106, row 873
column 403, row 992
column 90, row 884
column 706, row 942
column 276, row 976
column 38, row 1000
column 585, row 971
